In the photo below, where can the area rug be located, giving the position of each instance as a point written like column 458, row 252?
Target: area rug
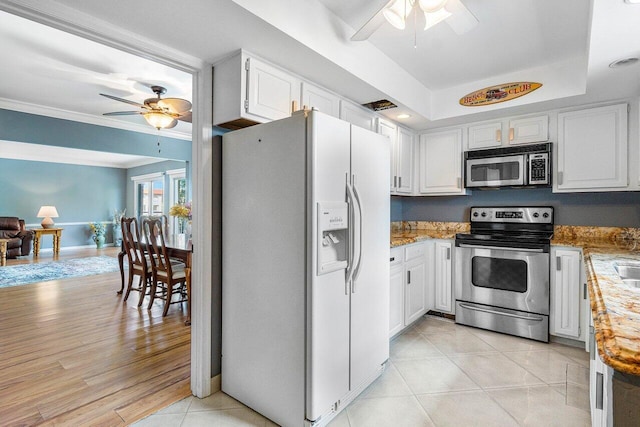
column 42, row 272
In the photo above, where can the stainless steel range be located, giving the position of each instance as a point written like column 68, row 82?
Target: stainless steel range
column 503, row 271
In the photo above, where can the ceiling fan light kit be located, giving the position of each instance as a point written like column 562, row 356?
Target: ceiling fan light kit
column 434, row 12
column 396, row 12
column 160, row 120
column 161, row 113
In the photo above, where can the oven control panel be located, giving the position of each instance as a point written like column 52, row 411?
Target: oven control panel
column 527, row 215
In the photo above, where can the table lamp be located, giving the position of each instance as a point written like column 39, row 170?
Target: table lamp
column 47, row 212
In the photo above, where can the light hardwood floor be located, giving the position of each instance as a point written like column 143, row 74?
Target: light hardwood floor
column 73, row 353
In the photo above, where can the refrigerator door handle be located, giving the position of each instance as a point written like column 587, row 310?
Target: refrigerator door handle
column 350, row 264
column 359, row 262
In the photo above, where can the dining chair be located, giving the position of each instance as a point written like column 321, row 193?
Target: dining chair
column 169, row 276
column 162, row 217
column 139, row 264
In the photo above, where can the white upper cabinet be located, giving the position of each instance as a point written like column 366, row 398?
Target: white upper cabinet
column 485, row 135
column 357, row 115
column 510, row 131
column 528, row 129
column 404, row 161
column 390, row 130
column 401, row 179
column 249, row 91
column 592, row 150
column 270, row 91
column 441, row 163
column 320, row 99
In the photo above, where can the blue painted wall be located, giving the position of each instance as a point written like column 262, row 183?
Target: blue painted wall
column 615, row 209
column 81, row 194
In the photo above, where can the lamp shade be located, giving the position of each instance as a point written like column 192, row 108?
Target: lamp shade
column 47, row 212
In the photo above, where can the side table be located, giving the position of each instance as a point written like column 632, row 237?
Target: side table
column 3, row 252
column 57, row 236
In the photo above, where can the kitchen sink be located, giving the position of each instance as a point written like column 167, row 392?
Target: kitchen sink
column 629, row 273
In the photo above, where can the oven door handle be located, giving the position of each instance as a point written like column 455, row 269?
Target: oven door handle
column 486, row 310
column 500, row 248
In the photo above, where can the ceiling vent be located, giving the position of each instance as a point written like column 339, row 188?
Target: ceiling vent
column 380, row 105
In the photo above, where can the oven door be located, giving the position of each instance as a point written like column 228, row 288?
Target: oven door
column 511, row 278
column 495, row 171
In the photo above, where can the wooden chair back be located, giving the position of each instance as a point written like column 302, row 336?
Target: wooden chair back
column 163, row 218
column 153, row 229
column 130, row 239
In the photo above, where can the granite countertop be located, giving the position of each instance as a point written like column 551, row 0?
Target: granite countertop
column 615, row 306
column 409, row 232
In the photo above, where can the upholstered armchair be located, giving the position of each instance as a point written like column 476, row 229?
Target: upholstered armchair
column 13, row 229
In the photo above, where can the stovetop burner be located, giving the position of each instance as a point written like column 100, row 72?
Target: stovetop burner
column 504, row 225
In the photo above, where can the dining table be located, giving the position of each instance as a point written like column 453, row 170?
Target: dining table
column 179, row 246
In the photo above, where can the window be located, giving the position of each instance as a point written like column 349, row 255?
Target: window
column 149, row 194
column 178, row 182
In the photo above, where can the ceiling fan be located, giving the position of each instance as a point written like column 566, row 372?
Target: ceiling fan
column 395, row 12
column 161, row 113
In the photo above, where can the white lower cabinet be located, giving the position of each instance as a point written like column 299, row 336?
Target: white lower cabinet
column 443, row 280
column 410, row 284
column 567, row 293
column 396, row 292
column 600, row 387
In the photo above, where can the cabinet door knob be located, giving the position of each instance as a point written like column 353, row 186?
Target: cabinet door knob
column 558, row 263
column 409, row 277
column 511, row 134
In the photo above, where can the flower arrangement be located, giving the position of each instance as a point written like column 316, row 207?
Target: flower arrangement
column 117, row 216
column 181, row 210
column 97, row 228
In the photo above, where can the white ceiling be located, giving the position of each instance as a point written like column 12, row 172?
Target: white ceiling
column 564, row 44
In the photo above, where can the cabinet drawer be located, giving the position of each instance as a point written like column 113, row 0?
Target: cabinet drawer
column 395, row 256
column 414, row 251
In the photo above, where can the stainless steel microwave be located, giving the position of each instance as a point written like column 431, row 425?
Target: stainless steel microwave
column 521, row 166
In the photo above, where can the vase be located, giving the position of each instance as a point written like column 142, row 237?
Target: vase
column 117, row 235
column 99, row 239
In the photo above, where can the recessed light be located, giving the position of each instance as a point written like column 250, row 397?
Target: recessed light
column 404, row 116
column 623, row 62
column 632, row 1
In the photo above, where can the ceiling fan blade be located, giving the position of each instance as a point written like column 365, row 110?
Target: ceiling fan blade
column 461, row 19
column 123, row 113
column 174, row 105
column 370, row 26
column 137, row 104
column 185, row 117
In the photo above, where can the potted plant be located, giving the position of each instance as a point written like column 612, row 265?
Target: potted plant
column 98, row 230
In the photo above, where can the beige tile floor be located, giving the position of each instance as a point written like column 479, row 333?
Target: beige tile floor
column 440, row 374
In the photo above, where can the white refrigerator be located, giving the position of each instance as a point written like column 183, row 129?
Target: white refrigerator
column 305, row 286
